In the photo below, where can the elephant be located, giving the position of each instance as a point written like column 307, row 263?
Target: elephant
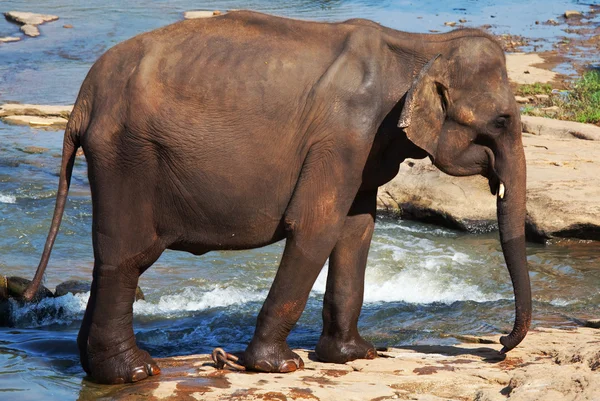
column 245, row 129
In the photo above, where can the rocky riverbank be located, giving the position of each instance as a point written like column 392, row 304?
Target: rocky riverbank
column 550, row 364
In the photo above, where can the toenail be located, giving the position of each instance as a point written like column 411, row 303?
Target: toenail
column 152, row 370
column 138, row 374
column 287, row 367
column 264, row 366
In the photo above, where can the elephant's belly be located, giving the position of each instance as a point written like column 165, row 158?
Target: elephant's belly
column 225, row 215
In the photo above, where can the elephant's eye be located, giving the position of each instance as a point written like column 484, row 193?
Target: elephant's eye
column 502, row 121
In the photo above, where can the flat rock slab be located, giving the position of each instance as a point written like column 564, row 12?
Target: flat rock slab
column 549, row 127
column 548, row 365
column 12, row 109
column 521, row 69
column 51, row 122
column 200, row 14
column 29, row 21
column 563, row 191
column 7, row 39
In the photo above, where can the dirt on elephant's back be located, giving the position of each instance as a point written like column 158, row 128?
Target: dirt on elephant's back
column 549, row 364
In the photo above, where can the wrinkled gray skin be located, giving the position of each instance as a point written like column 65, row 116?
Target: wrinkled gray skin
column 238, row 131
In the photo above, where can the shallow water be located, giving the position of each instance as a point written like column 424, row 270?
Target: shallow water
column 422, row 281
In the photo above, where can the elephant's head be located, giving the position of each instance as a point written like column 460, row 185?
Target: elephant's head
column 461, row 111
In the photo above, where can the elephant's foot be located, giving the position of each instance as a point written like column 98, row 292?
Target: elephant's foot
column 335, row 350
column 271, row 358
column 129, row 366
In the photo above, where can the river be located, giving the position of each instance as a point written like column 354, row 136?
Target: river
column 423, row 282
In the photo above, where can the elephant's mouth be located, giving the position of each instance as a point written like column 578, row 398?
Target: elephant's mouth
column 494, row 181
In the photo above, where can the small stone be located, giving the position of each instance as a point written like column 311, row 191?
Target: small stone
column 572, row 14
column 551, row 22
column 551, row 109
column 462, row 20
column 522, row 99
column 542, row 97
column 7, row 39
column 433, row 30
column 450, row 23
column 30, row 30
column 68, row 26
column 557, row 164
column 216, row 12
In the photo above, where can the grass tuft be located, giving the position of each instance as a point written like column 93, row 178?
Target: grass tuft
column 580, row 103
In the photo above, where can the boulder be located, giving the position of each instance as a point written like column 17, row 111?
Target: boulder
column 81, row 287
column 549, row 364
column 14, row 287
column 563, row 191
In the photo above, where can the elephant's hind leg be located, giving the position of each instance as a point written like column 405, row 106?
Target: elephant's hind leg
column 340, row 341
column 109, row 352
column 125, row 245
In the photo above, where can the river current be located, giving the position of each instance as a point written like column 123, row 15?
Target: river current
column 423, row 282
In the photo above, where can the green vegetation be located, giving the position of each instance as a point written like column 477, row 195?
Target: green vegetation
column 581, row 102
column 534, row 89
column 584, row 98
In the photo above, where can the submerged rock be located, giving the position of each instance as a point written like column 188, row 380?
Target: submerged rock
column 81, row 287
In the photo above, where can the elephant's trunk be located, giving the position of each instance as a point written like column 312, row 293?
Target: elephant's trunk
column 511, row 221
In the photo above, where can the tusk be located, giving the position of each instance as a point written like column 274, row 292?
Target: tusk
column 501, row 191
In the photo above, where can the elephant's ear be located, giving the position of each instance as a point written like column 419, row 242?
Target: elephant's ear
column 425, row 106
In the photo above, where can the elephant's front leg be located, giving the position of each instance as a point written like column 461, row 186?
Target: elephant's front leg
column 314, row 220
column 340, row 341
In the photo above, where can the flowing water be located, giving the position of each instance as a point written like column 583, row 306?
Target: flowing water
column 422, row 281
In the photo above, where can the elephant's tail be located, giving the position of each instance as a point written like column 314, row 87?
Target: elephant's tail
column 71, row 143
